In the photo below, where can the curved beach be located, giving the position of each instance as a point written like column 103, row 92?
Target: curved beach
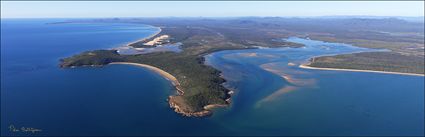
column 175, row 101
column 163, row 73
column 145, row 38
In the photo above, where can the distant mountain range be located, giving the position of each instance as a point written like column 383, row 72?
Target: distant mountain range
column 406, row 18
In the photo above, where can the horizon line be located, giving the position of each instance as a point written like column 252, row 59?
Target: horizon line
column 354, row 16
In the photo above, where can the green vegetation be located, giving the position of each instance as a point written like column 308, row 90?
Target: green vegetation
column 200, row 36
column 379, row 61
column 201, row 84
column 96, row 58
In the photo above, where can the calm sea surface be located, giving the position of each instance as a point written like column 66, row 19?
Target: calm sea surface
column 272, row 95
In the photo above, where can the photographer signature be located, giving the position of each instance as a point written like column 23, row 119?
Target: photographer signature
column 12, row 128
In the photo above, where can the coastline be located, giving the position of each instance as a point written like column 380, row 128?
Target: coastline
column 161, row 72
column 145, row 38
column 175, row 101
column 305, row 66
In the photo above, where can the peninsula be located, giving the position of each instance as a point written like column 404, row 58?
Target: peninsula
column 199, row 86
column 365, row 62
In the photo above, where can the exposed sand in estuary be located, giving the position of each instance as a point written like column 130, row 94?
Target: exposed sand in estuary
column 291, row 64
column 276, row 94
column 288, row 74
column 250, row 54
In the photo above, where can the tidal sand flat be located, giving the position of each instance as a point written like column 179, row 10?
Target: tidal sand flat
column 323, row 102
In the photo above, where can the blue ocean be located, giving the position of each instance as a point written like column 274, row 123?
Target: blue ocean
column 273, row 96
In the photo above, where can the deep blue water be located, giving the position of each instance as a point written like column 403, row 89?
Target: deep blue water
column 127, row 100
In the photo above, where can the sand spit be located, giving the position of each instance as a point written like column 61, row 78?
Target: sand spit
column 305, row 66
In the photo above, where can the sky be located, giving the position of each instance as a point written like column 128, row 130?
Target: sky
column 101, row 9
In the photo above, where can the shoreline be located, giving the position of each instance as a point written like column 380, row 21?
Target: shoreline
column 173, row 99
column 161, row 72
column 305, row 66
column 143, row 39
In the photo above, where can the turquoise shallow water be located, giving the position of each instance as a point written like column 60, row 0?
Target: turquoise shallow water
column 275, row 97
column 127, row 100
